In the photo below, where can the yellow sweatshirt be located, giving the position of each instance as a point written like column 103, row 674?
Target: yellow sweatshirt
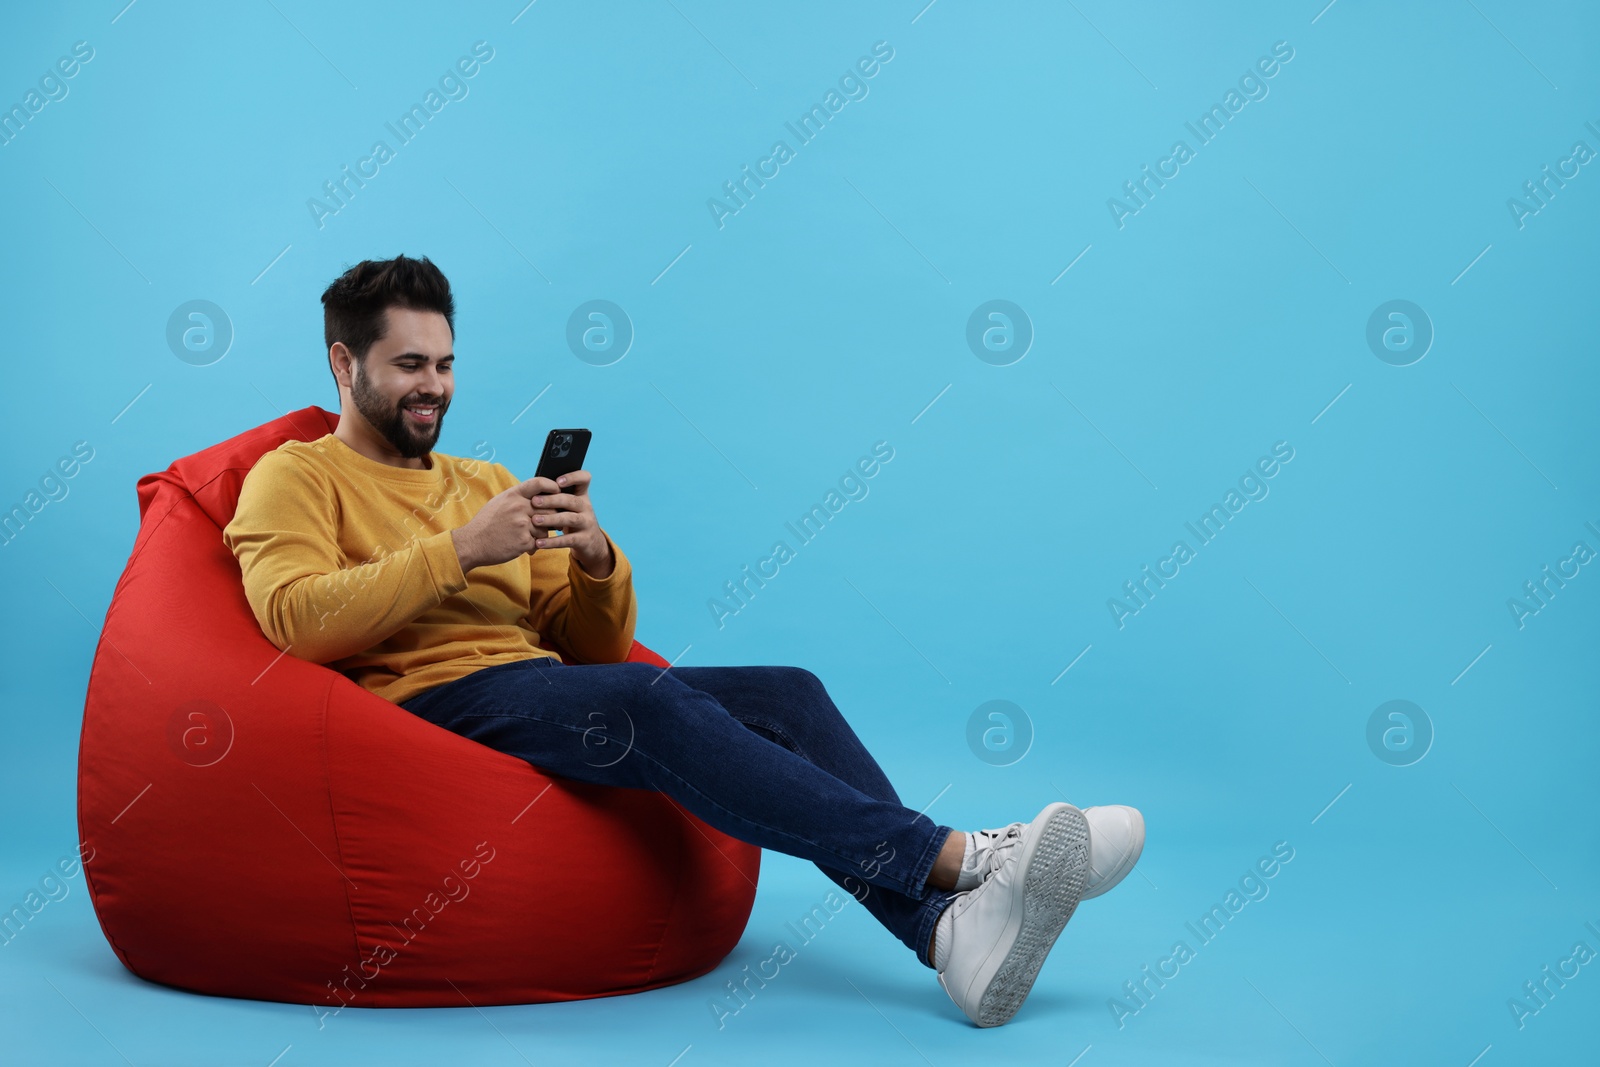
column 349, row 562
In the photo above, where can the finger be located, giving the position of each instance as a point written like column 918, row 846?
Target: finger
column 571, row 522
column 561, row 502
column 536, row 485
column 535, row 527
column 554, row 539
column 576, row 483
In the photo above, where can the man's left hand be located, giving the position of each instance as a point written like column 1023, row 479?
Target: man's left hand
column 563, row 504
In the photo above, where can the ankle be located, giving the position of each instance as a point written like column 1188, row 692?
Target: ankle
column 947, row 865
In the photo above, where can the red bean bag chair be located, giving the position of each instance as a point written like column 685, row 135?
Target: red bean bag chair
column 261, row 826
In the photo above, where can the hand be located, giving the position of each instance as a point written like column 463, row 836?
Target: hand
column 564, row 505
column 502, row 530
column 518, row 520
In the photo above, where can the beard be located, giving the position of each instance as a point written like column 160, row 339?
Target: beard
column 409, row 439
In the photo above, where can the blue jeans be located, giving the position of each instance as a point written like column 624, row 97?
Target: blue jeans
column 760, row 753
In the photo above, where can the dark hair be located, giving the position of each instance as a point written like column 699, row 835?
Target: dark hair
column 353, row 306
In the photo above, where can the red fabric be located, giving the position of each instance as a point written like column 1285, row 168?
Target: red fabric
column 263, row 827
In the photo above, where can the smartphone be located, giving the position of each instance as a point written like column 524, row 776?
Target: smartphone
column 563, row 453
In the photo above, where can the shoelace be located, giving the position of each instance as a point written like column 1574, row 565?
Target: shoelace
column 990, row 848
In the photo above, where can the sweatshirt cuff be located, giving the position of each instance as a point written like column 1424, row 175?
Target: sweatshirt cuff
column 444, row 564
column 621, row 572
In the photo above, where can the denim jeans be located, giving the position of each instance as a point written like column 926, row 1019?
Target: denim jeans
column 760, row 753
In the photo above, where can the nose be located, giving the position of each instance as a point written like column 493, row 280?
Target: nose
column 434, row 385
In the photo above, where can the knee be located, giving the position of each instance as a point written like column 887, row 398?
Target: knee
column 804, row 700
column 796, row 687
column 798, row 680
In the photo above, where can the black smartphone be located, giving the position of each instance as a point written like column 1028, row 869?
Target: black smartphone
column 563, row 453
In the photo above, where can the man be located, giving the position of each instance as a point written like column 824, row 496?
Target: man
column 433, row 580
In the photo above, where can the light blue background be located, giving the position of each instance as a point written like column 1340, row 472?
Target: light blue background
column 829, row 314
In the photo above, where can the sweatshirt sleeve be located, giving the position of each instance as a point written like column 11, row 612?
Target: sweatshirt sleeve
column 588, row 619
column 284, row 534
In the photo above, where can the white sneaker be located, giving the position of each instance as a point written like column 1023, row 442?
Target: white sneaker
column 1116, row 839
column 991, row 941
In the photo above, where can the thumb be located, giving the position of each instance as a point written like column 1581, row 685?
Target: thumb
column 530, row 488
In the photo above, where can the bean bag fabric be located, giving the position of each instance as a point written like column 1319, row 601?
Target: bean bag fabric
column 261, row 826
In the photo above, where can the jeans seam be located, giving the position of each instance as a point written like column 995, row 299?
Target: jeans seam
column 928, row 918
column 924, row 864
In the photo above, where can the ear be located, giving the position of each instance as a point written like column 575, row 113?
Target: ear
column 342, row 361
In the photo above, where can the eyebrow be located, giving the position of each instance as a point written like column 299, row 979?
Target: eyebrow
column 419, row 356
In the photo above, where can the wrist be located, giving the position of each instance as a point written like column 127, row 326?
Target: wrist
column 600, row 566
column 465, row 553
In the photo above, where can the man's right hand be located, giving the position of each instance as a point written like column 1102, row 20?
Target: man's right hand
column 503, row 528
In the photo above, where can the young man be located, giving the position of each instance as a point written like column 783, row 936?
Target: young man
column 432, row 580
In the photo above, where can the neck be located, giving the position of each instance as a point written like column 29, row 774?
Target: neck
column 358, row 433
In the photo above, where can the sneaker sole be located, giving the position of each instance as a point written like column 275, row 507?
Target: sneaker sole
column 1052, row 885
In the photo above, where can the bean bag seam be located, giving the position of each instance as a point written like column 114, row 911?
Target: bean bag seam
column 672, row 910
column 333, row 817
column 92, row 884
column 144, row 543
column 207, row 484
column 88, row 875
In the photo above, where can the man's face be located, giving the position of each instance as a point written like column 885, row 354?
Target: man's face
column 411, row 367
